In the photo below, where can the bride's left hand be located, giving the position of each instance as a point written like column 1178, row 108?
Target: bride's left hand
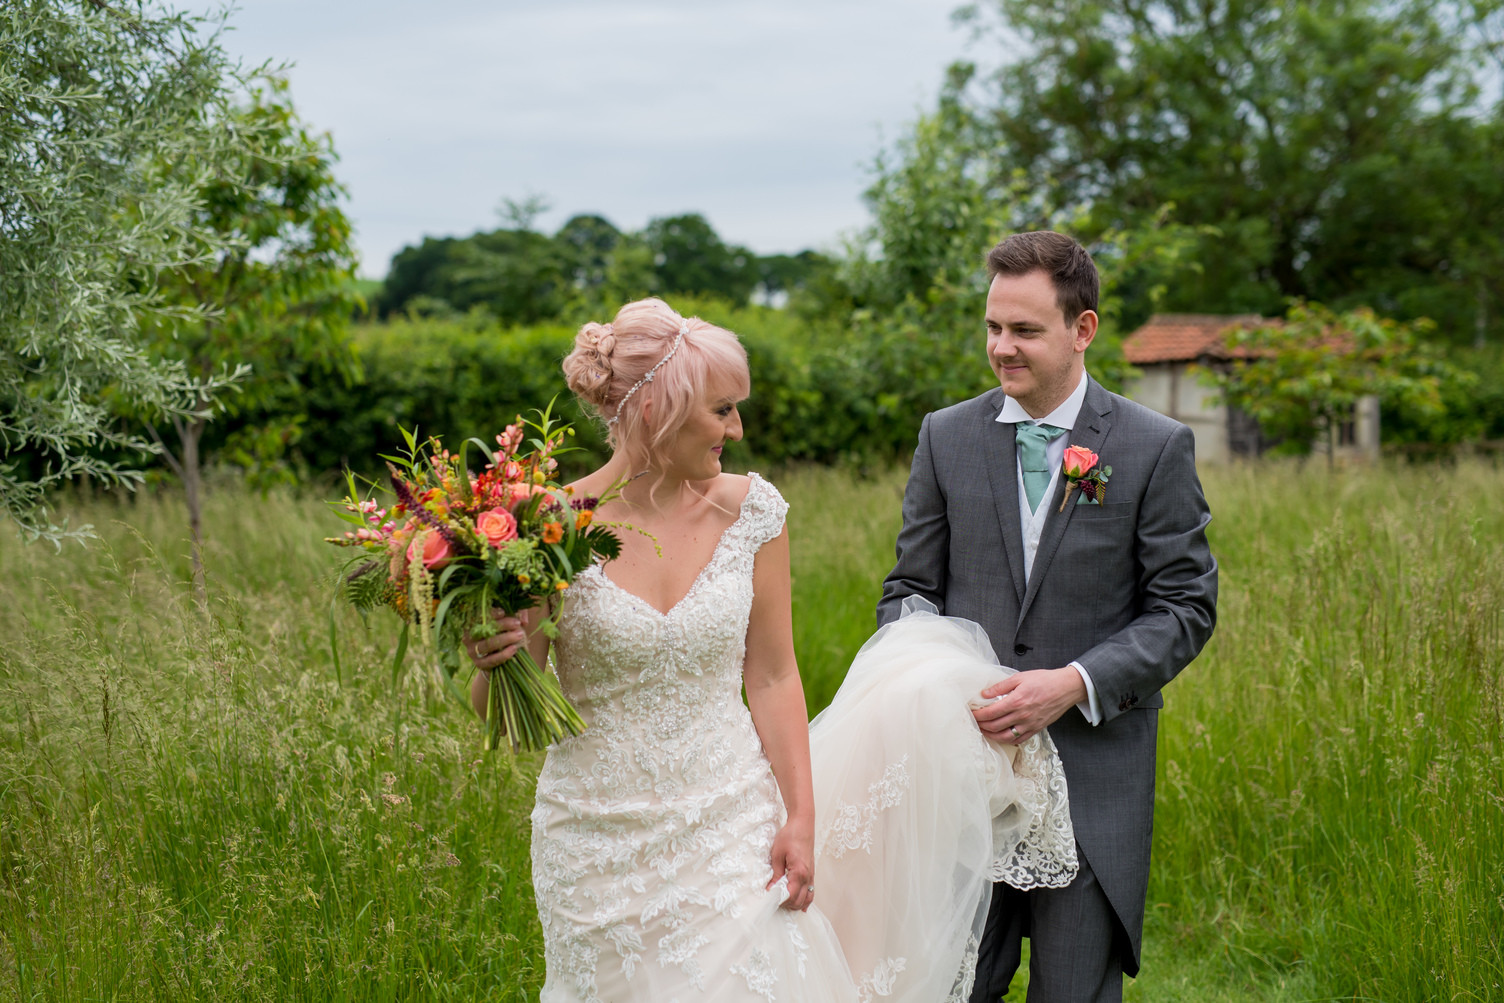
column 794, row 857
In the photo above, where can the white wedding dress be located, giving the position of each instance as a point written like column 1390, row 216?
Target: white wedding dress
column 652, row 830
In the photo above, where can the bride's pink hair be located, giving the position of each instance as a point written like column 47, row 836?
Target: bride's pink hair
column 608, row 359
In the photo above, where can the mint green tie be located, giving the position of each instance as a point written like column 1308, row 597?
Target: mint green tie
column 1033, row 460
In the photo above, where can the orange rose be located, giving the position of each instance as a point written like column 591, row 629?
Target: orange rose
column 436, row 552
column 1078, row 460
column 553, row 532
column 497, row 526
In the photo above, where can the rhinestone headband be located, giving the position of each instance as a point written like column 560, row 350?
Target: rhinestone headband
column 683, row 330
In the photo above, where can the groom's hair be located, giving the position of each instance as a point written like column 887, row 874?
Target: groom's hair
column 1066, row 262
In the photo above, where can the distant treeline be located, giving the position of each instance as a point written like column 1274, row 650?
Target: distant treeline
column 520, row 276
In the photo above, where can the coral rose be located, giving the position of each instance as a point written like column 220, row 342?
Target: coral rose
column 436, row 551
column 521, row 493
column 1078, row 460
column 497, row 526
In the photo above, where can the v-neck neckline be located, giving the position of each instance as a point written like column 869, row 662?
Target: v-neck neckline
column 715, row 554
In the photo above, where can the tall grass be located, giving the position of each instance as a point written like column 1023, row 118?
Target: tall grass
column 197, row 805
column 1332, row 771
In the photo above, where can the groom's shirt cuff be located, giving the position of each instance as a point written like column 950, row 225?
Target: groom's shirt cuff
column 1090, row 708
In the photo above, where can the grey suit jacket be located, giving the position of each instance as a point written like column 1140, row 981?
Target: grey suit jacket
column 1128, row 588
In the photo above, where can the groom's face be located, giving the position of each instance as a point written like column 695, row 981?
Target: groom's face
column 1037, row 357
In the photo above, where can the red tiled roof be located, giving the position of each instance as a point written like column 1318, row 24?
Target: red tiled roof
column 1183, row 337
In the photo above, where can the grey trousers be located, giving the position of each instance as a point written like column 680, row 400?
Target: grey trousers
column 1075, row 944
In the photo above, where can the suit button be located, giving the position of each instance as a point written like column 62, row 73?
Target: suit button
column 1020, row 649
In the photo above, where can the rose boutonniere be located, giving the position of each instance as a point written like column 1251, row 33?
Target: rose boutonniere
column 1084, row 473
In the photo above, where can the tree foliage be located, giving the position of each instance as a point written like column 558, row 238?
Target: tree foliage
column 273, row 291
column 1339, row 150
column 1303, row 377
column 93, row 97
column 587, row 268
column 941, row 198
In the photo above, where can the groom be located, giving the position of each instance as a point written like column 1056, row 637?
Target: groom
column 1103, row 599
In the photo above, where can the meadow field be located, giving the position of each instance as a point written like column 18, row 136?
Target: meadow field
column 201, row 805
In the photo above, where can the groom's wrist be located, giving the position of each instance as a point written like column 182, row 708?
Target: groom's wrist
column 1089, row 705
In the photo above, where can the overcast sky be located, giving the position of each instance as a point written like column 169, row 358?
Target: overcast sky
column 765, row 117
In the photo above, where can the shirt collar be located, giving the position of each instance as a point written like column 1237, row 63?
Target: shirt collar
column 1063, row 416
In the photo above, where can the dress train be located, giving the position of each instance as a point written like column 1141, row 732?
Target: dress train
column 917, row 814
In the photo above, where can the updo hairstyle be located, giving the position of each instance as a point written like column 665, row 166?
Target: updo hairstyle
column 608, row 359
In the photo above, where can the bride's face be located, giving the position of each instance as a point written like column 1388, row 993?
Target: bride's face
column 695, row 452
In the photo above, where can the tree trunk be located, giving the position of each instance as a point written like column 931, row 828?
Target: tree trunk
column 1331, row 445
column 190, row 431
column 1480, row 320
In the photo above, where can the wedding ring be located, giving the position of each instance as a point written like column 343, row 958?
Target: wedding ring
column 1013, row 728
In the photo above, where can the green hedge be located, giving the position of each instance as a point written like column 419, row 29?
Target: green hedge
column 819, row 393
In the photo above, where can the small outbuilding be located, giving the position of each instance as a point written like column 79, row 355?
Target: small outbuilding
column 1175, row 352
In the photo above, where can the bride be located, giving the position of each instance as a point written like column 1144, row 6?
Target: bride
column 676, row 841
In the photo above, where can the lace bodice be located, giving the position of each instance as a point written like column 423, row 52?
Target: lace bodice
column 668, row 780
column 615, row 648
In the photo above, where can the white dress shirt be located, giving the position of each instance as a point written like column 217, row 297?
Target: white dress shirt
column 1032, row 521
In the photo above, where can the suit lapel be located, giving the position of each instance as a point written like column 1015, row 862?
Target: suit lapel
column 1000, row 455
column 1090, row 431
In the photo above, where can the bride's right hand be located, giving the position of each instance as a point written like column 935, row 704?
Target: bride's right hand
column 511, row 634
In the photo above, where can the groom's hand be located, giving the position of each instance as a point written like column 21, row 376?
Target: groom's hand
column 1026, row 703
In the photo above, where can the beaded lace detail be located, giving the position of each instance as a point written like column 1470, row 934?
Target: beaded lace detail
column 663, row 811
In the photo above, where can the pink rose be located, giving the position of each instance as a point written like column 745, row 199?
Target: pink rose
column 1078, row 460
column 522, row 492
column 497, row 526
column 436, row 552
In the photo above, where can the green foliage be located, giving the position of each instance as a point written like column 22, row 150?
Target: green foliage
column 273, row 293
column 690, row 257
column 456, row 378
column 820, row 392
column 281, row 292
column 1472, row 408
column 1344, row 152
column 518, row 277
column 940, row 201
column 1304, row 376
column 514, row 274
column 93, row 97
column 196, row 807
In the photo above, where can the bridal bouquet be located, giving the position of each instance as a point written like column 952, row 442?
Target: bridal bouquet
column 449, row 546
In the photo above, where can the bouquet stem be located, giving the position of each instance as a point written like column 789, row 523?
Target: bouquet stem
column 525, row 706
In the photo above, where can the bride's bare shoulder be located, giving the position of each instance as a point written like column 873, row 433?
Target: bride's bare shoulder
column 729, row 490
column 593, row 484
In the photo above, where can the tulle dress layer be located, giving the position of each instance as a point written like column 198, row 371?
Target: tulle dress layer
column 652, row 830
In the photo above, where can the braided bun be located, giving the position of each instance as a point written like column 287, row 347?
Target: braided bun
column 588, row 369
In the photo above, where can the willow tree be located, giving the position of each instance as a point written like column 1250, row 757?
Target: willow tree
column 273, row 292
column 94, row 96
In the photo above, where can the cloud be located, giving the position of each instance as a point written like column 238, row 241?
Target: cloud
column 764, row 117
